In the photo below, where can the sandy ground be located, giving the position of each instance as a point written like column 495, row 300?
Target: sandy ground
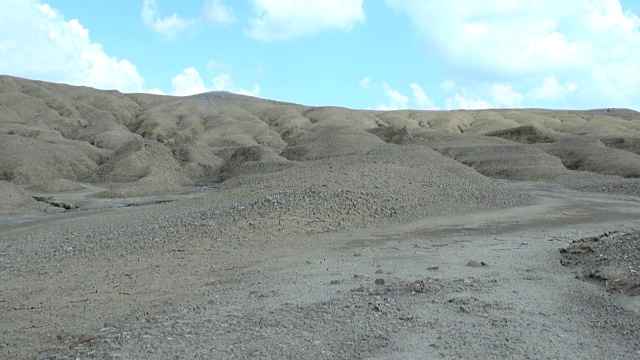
column 316, row 296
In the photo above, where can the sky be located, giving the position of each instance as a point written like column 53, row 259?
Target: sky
column 364, row 54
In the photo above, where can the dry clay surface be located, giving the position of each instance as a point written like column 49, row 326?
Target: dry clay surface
column 323, row 232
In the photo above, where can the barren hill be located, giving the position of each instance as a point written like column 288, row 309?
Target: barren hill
column 148, row 144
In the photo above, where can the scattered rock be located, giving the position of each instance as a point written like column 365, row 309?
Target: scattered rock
column 475, row 263
column 418, row 286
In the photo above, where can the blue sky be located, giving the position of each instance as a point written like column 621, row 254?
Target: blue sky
column 375, row 54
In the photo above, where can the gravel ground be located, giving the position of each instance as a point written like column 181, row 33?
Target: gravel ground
column 393, row 290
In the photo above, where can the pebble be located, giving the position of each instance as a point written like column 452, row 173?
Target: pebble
column 475, row 263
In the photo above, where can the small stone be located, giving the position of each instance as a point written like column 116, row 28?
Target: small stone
column 475, row 263
column 379, row 271
column 379, row 281
column 463, row 309
column 334, row 282
column 433, row 268
column 417, row 286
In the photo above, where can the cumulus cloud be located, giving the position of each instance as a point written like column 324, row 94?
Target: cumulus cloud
column 36, row 42
column 395, row 100
column 189, row 82
column 421, row 98
column 505, row 96
column 551, row 89
column 156, row 91
column 592, row 44
column 174, row 25
column 468, row 102
column 285, row 19
column 365, row 83
column 169, row 26
column 216, row 11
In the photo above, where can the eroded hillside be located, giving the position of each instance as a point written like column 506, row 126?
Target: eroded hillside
column 142, row 144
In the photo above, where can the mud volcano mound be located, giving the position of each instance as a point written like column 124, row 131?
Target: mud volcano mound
column 53, row 136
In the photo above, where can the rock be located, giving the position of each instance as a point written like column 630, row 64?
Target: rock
column 334, row 282
column 475, row 263
column 433, row 268
column 379, row 271
column 379, row 281
column 417, row 286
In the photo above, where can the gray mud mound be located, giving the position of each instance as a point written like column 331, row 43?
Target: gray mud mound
column 57, row 185
column 141, row 144
column 12, row 197
column 27, row 160
column 527, row 134
column 145, row 168
column 612, row 259
column 590, row 154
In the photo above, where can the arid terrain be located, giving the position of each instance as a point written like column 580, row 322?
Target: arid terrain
column 215, row 226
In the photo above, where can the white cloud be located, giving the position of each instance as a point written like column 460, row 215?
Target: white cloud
column 592, row 44
column 365, row 83
column 505, row 96
column 396, row 101
column 169, row 26
column 459, row 101
column 551, row 89
column 36, row 42
column 285, row 19
column 421, row 98
column 190, row 82
column 491, row 35
column 216, row 11
column 156, row 91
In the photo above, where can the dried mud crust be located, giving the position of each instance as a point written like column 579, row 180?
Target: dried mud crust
column 612, row 258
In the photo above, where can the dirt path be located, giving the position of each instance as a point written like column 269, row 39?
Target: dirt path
column 317, row 297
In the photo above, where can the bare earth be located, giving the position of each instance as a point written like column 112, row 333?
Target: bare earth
column 221, row 226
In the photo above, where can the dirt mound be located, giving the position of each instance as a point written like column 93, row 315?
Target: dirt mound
column 13, row 198
column 590, row 154
column 29, row 160
column 57, row 185
column 628, row 143
column 158, row 143
column 612, row 259
column 506, row 161
column 326, row 141
column 146, row 167
column 527, row 134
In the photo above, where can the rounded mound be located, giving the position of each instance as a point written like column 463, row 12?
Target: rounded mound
column 57, row 185
column 527, row 134
column 12, row 198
